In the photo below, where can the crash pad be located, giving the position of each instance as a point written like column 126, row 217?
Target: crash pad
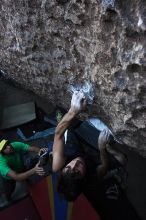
column 17, row 115
column 53, row 207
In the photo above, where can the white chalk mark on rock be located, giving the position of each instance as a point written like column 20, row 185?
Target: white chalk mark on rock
column 87, row 89
column 43, row 3
column 107, row 3
column 141, row 24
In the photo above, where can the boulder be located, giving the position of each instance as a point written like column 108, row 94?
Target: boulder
column 53, row 47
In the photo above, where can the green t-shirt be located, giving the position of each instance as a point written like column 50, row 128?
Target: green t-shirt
column 13, row 161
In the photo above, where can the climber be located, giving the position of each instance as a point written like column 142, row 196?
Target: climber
column 69, row 159
column 74, row 165
column 80, row 173
column 15, row 166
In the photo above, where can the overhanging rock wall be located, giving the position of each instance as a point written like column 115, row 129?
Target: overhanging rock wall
column 50, row 46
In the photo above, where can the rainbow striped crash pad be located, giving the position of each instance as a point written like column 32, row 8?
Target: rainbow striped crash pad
column 51, row 207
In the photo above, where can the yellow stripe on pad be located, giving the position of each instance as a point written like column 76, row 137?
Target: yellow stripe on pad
column 51, row 195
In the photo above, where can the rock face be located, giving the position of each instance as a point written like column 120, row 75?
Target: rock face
column 52, row 46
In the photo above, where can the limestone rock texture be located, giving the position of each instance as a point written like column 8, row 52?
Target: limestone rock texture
column 50, row 46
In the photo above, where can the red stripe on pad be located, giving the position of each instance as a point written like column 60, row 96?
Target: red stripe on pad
column 40, row 196
column 83, row 210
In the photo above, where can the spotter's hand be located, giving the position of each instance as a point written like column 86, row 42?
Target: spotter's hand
column 39, row 170
column 78, row 102
column 42, row 150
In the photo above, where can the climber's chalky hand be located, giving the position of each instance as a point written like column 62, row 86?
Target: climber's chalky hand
column 78, row 102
